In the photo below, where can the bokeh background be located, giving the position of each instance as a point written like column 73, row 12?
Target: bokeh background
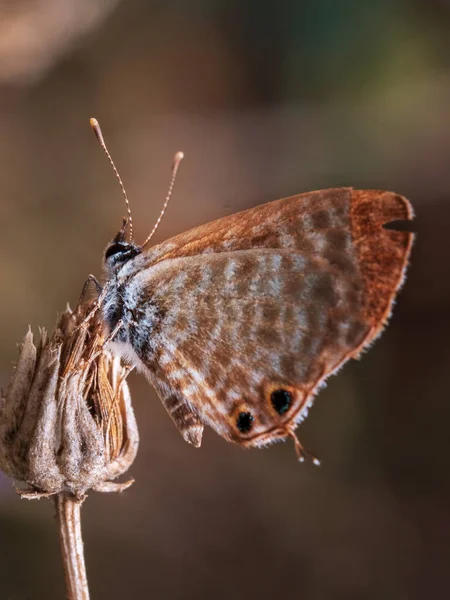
column 267, row 99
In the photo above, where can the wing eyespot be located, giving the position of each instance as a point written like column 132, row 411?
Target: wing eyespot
column 244, row 422
column 281, row 401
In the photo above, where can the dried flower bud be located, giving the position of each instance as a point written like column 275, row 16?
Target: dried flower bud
column 66, row 421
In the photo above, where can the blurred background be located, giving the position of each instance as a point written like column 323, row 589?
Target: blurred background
column 267, row 100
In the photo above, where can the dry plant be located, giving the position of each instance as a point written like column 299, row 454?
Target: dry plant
column 67, row 426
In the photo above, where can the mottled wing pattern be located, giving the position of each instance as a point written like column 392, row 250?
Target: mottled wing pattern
column 275, row 297
column 309, row 222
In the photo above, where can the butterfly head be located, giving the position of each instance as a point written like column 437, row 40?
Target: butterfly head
column 119, row 251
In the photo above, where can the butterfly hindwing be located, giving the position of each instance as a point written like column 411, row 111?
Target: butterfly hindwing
column 229, row 327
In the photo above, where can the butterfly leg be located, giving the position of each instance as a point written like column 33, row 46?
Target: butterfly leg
column 90, row 279
column 112, row 335
column 97, row 303
column 108, row 339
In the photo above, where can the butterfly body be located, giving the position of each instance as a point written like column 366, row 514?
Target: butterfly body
column 237, row 323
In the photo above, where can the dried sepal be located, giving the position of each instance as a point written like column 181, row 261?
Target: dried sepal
column 66, row 420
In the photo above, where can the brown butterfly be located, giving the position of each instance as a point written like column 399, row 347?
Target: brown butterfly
column 238, row 322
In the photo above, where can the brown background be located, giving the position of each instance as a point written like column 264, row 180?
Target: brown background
column 267, row 100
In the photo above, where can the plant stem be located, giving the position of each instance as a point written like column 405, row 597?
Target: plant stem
column 69, row 520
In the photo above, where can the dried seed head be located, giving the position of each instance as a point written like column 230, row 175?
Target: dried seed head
column 66, row 421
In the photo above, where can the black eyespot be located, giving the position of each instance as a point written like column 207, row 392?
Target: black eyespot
column 114, row 249
column 244, row 422
column 281, row 401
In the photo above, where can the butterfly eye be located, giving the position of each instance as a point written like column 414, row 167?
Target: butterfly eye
column 114, row 249
column 281, row 401
column 244, row 422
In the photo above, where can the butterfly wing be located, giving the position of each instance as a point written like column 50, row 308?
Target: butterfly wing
column 298, row 222
column 239, row 314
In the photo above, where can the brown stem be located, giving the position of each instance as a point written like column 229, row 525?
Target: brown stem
column 68, row 511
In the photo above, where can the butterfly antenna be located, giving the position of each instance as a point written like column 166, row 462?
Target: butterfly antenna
column 176, row 163
column 99, row 135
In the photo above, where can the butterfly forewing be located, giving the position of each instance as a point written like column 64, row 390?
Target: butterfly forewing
column 238, row 321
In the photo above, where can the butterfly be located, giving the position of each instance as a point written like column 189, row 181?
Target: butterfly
column 238, row 323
